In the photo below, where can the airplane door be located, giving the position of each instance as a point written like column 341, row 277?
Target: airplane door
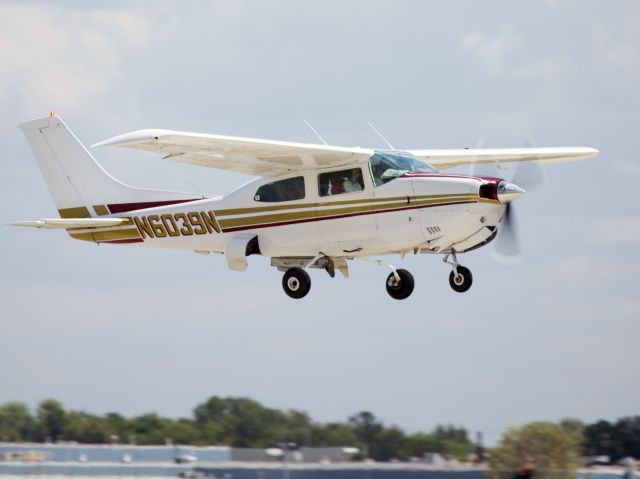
column 398, row 224
column 344, row 198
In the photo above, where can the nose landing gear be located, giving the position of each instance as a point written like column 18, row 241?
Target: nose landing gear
column 460, row 278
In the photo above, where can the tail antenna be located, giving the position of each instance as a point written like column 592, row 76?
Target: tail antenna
column 380, row 135
column 314, row 131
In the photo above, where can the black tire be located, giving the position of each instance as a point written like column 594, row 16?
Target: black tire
column 403, row 288
column 296, row 283
column 464, row 280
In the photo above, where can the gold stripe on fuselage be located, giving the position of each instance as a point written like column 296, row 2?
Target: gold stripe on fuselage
column 206, row 222
column 327, row 212
column 322, row 204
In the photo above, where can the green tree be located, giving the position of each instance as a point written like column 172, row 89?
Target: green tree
column 546, row 447
column 86, row 428
column 367, row 429
column 389, row 444
column 50, row 420
column 453, row 441
column 16, row 422
column 616, row 440
column 239, row 422
column 628, row 437
column 419, row 444
column 182, row 431
column 334, row 434
column 576, row 428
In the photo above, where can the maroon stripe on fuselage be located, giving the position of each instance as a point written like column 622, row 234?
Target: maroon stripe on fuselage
column 126, row 207
column 308, row 220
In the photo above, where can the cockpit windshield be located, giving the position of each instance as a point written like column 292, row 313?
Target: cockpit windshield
column 389, row 165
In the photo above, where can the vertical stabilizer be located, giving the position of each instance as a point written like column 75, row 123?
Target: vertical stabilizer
column 80, row 187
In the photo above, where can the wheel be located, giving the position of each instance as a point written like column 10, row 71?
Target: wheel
column 463, row 281
column 400, row 289
column 296, row 283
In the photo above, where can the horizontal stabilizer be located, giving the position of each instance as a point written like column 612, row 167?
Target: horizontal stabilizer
column 69, row 223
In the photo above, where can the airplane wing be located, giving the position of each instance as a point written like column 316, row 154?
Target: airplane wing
column 58, row 223
column 243, row 155
column 444, row 159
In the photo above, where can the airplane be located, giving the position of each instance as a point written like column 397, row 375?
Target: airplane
column 310, row 205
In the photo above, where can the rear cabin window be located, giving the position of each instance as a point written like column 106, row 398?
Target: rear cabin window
column 339, row 182
column 283, row 190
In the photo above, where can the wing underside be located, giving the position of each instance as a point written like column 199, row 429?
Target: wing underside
column 243, row 155
column 444, row 159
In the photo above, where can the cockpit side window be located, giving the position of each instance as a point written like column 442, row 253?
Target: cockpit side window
column 387, row 166
column 283, row 190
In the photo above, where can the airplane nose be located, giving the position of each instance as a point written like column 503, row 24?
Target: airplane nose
column 508, row 192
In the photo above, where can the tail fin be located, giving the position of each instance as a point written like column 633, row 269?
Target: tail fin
column 80, row 187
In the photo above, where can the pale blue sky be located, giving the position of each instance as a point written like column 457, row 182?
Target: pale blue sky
column 132, row 330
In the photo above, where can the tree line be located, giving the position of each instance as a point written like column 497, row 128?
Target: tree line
column 235, row 422
column 243, row 422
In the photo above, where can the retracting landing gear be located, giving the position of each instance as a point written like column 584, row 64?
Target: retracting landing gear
column 460, row 278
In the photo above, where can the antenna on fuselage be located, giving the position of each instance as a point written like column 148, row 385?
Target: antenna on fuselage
column 194, row 185
column 314, row 131
column 380, row 135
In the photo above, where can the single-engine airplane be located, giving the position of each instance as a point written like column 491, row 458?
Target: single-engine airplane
column 311, row 206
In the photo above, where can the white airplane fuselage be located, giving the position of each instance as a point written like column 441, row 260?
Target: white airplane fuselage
column 427, row 213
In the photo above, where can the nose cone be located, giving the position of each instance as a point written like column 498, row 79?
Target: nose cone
column 507, row 192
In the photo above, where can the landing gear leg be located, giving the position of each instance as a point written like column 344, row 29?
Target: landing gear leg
column 460, row 278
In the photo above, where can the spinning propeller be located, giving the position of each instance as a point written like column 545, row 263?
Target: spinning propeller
column 527, row 176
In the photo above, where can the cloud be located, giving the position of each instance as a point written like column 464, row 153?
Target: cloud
column 60, row 56
column 492, row 50
column 617, row 50
column 627, row 168
column 616, row 231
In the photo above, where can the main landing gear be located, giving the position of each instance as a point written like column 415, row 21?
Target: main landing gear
column 296, row 283
column 399, row 283
column 460, row 278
